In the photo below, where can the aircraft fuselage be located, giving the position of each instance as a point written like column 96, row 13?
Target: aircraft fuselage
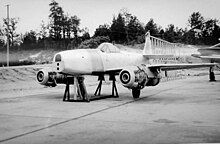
column 89, row 61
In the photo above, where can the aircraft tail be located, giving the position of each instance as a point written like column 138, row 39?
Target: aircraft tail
column 147, row 46
column 149, row 50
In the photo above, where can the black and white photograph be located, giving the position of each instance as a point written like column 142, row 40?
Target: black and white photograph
column 109, row 71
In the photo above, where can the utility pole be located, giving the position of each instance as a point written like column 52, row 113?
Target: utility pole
column 7, row 35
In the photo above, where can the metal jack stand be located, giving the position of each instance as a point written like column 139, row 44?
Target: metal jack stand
column 80, row 93
column 99, row 88
column 114, row 88
column 66, row 96
column 211, row 74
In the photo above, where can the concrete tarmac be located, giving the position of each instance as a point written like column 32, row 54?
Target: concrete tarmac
column 178, row 111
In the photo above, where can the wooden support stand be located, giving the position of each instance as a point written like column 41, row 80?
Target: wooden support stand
column 80, row 93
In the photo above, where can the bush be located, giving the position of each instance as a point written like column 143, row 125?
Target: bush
column 94, row 42
column 17, row 63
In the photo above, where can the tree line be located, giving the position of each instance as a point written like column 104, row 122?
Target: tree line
column 63, row 31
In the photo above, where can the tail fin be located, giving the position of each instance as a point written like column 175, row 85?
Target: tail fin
column 149, row 51
column 147, row 46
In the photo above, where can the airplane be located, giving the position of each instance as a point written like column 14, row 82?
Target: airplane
column 210, row 54
column 135, row 70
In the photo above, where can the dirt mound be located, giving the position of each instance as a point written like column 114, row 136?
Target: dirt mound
column 42, row 57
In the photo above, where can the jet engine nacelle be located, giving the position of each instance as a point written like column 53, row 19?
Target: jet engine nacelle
column 133, row 77
column 49, row 78
column 139, row 77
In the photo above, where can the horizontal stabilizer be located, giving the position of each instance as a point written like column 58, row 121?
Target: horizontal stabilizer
column 213, row 58
column 213, row 48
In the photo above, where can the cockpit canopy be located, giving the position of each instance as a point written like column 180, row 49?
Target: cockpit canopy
column 108, row 48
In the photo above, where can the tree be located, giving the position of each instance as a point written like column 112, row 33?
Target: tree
column 12, row 29
column 152, row 27
column 74, row 27
column 30, row 38
column 70, row 27
column 203, row 31
column 161, row 33
column 134, row 29
column 118, row 29
column 85, row 34
column 210, row 31
column 63, row 28
column 173, row 34
column 102, row 30
column 65, row 24
column 43, row 30
column 216, row 33
column 1, row 37
column 124, row 28
column 169, row 33
column 189, row 37
column 56, row 16
column 196, row 20
column 179, row 35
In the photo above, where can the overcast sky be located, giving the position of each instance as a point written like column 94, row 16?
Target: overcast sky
column 97, row 12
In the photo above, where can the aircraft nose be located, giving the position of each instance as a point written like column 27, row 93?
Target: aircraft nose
column 73, row 62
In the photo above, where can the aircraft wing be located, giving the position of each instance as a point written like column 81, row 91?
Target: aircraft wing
column 214, row 58
column 167, row 67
